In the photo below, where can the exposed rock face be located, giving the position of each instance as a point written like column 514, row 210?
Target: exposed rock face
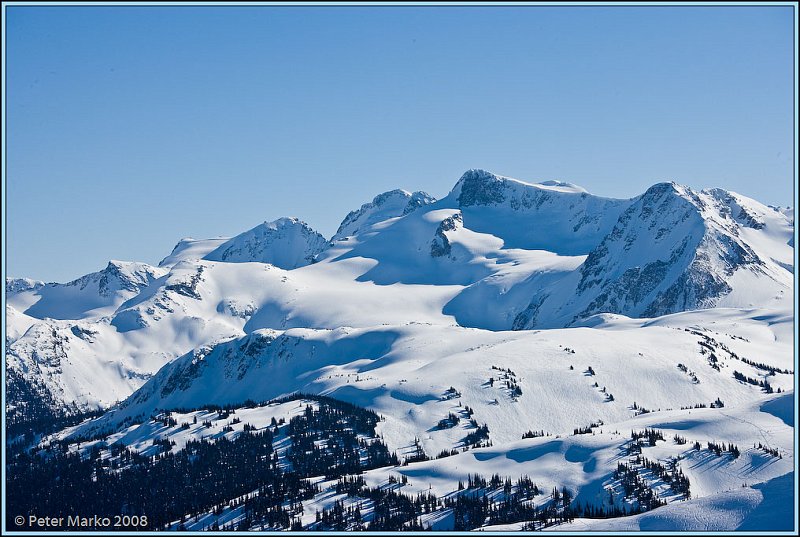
column 287, row 243
column 479, row 187
column 384, row 206
column 672, row 250
column 553, row 215
column 94, row 294
column 440, row 245
column 16, row 285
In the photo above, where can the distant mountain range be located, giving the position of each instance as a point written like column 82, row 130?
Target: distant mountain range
column 512, row 356
column 496, row 253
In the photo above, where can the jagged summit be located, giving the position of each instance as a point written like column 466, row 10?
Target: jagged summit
column 387, row 205
column 675, row 249
column 16, row 285
column 95, row 294
column 284, row 221
column 382, row 198
column 481, row 187
column 287, row 243
column 125, row 275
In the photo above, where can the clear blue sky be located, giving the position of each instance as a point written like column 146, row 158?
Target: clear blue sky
column 131, row 127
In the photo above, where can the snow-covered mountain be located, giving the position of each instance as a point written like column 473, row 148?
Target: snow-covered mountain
column 384, row 206
column 537, row 306
column 286, row 243
column 189, row 249
column 18, row 285
column 674, row 250
column 495, row 253
column 554, row 216
column 91, row 296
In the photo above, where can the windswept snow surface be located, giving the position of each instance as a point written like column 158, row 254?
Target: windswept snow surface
column 16, row 324
column 539, row 306
column 190, row 249
column 406, row 370
column 763, row 507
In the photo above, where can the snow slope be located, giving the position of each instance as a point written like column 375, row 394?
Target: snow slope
column 750, row 492
column 190, row 249
column 763, row 507
column 405, row 371
column 16, row 324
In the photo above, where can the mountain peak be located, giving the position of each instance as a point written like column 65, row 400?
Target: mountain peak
column 189, row 249
column 391, row 204
column 284, row 221
column 666, row 188
column 481, row 187
column 116, row 266
column 125, row 276
column 383, row 198
column 16, row 285
column 287, row 243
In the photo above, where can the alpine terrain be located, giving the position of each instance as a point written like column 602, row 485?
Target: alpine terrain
column 513, row 356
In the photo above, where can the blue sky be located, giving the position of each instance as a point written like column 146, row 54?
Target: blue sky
column 131, row 127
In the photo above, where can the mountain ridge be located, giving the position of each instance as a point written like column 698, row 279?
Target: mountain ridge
column 496, row 253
